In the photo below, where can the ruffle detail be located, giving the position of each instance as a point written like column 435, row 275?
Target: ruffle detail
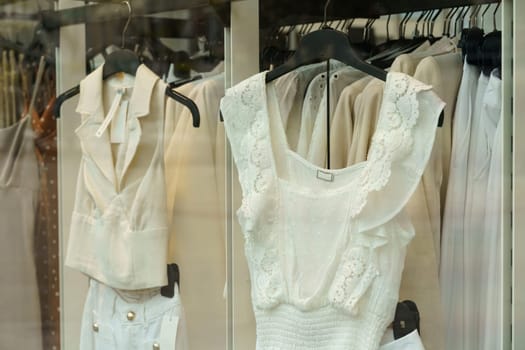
column 246, row 126
column 392, row 139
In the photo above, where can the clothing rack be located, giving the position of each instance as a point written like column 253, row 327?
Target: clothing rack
column 281, row 13
column 52, row 20
column 146, row 26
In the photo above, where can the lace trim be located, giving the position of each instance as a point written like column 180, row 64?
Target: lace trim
column 393, row 137
column 253, row 156
column 249, row 130
column 354, row 276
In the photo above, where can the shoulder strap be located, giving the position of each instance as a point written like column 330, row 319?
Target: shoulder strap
column 400, row 149
column 245, row 129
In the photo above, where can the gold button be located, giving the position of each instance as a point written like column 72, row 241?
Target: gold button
column 131, row 316
column 95, row 326
column 156, row 346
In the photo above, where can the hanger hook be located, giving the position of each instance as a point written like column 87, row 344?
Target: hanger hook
column 325, row 11
column 427, row 21
column 130, row 13
column 483, row 16
column 446, row 21
column 417, row 33
column 496, row 10
column 434, row 21
column 454, row 12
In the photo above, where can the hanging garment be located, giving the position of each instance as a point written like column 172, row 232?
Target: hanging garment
column 342, row 127
column 326, row 248
column 407, row 63
column 442, row 46
column 197, row 241
column 453, row 268
column 119, row 227
column 476, row 234
column 404, row 64
column 131, row 320
column 366, row 110
column 317, row 149
column 420, row 281
column 20, row 322
column 294, row 86
column 473, row 209
column 46, row 226
column 312, row 101
column 492, row 279
column 444, row 74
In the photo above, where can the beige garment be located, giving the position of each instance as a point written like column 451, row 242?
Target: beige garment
column 119, row 226
column 175, row 112
column 20, row 323
column 341, row 130
column 440, row 47
column 310, row 108
column 317, row 150
column 444, row 74
column 420, row 279
column 422, row 47
column 197, row 230
column 404, row 64
column 407, row 63
column 366, row 111
column 293, row 87
column 436, row 173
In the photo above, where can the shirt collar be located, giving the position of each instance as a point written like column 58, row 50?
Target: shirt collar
column 91, row 89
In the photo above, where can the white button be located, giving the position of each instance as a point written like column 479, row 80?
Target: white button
column 156, row 346
column 95, row 327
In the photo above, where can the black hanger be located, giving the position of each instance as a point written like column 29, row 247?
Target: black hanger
column 491, row 49
column 322, row 45
column 491, row 52
column 389, row 51
column 127, row 65
column 127, row 61
column 182, row 82
column 448, row 21
column 188, row 102
column 120, row 61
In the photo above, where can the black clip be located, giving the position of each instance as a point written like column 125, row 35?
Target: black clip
column 406, row 319
column 173, row 277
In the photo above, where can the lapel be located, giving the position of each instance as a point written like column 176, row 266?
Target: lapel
column 92, row 110
column 139, row 106
column 91, row 107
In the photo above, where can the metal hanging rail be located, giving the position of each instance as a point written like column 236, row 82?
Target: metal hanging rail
column 290, row 12
column 102, row 12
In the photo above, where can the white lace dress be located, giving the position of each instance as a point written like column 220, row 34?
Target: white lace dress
column 326, row 248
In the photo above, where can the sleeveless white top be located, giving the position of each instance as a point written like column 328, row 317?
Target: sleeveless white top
column 326, row 248
column 119, row 224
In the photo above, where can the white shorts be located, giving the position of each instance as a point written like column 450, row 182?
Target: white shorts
column 410, row 341
column 129, row 320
